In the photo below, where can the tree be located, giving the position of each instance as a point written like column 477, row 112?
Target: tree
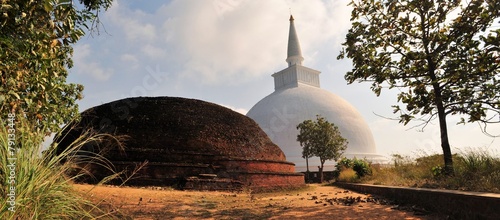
column 36, row 41
column 306, row 134
column 321, row 139
column 443, row 56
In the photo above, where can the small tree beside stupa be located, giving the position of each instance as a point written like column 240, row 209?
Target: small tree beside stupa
column 322, row 139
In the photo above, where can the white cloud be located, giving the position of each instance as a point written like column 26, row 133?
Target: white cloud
column 229, row 41
column 81, row 52
column 85, row 65
column 135, row 23
column 128, row 58
column 98, row 73
column 153, row 52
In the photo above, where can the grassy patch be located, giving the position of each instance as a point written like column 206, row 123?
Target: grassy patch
column 475, row 170
column 348, row 175
column 35, row 185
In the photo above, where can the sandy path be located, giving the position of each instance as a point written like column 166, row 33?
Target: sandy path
column 315, row 202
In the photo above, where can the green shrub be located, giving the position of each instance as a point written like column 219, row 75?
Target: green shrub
column 344, row 163
column 360, row 167
column 437, row 171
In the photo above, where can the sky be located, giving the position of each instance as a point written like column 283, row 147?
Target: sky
column 225, row 51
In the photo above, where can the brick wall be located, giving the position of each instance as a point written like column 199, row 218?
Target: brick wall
column 258, row 166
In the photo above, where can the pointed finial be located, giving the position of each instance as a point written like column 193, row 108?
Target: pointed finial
column 294, row 53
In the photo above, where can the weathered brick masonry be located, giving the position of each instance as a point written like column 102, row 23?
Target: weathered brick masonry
column 185, row 143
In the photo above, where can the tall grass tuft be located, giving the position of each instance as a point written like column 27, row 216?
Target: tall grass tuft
column 348, row 175
column 42, row 188
column 475, row 170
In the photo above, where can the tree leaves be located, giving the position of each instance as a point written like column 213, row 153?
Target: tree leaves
column 446, row 64
column 35, row 50
column 321, row 139
column 416, row 44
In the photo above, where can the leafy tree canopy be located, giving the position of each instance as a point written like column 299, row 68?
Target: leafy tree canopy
column 36, row 39
column 442, row 55
column 322, row 139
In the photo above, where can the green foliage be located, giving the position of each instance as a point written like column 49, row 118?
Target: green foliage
column 361, row 167
column 321, row 139
column 437, row 171
column 35, row 49
column 344, row 163
column 418, row 45
column 95, row 5
column 442, row 65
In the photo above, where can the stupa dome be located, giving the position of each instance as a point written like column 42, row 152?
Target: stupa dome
column 298, row 97
column 279, row 113
column 183, row 139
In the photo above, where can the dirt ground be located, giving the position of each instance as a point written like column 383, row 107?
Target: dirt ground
column 312, row 202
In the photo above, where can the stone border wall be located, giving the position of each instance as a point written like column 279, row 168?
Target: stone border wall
column 454, row 203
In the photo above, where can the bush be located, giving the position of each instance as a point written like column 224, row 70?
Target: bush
column 344, row 163
column 360, row 167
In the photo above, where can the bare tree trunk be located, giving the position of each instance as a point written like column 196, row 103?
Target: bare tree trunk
column 320, row 168
column 438, row 101
column 445, row 145
column 307, row 172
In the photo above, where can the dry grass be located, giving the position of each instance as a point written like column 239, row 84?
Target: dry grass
column 42, row 188
column 475, row 170
column 348, row 175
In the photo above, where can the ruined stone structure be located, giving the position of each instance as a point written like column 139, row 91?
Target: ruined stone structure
column 186, row 143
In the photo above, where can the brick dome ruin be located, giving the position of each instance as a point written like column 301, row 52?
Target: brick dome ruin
column 187, row 143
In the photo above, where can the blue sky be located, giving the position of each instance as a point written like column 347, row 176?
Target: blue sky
column 224, row 51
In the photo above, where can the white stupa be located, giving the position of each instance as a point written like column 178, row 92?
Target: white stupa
column 298, row 97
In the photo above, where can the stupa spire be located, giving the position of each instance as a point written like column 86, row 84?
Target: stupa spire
column 294, row 53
